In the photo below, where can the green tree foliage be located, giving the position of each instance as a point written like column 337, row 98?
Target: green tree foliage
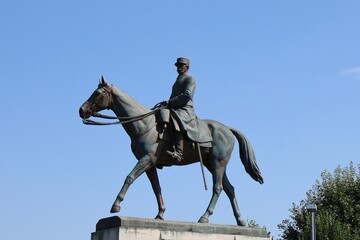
column 337, row 197
column 253, row 224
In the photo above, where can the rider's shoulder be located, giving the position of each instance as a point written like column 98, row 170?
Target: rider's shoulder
column 189, row 77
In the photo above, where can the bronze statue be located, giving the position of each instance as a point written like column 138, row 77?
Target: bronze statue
column 150, row 146
column 185, row 121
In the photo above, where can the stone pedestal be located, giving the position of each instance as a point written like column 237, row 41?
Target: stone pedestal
column 127, row 228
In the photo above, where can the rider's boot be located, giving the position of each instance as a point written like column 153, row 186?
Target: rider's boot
column 179, row 145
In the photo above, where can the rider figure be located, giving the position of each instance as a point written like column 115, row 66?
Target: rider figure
column 182, row 107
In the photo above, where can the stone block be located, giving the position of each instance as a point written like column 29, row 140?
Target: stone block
column 128, row 228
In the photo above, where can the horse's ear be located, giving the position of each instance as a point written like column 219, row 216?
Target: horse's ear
column 102, row 81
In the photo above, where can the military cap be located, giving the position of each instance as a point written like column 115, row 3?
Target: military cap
column 182, row 60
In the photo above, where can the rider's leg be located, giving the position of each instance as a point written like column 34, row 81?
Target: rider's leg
column 179, row 146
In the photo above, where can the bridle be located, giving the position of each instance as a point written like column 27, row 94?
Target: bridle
column 121, row 120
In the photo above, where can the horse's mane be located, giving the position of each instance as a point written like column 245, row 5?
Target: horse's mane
column 128, row 100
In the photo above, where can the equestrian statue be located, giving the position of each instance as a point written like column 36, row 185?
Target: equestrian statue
column 171, row 134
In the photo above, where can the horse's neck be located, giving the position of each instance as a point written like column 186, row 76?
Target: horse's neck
column 126, row 106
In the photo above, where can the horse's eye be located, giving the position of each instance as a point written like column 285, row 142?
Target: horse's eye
column 100, row 91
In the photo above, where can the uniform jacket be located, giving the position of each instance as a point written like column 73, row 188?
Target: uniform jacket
column 182, row 110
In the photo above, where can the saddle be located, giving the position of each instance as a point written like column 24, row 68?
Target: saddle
column 164, row 117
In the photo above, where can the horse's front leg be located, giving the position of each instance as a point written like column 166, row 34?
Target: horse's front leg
column 154, row 180
column 142, row 165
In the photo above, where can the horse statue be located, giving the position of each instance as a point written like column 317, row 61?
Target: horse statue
column 149, row 149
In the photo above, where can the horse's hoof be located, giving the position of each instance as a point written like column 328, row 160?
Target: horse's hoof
column 158, row 217
column 115, row 209
column 203, row 220
column 241, row 223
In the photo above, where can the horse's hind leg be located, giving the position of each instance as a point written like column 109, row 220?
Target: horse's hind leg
column 217, row 173
column 154, row 180
column 230, row 192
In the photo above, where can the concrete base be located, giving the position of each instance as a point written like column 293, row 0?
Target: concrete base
column 127, row 228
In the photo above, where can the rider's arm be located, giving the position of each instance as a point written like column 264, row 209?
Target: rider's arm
column 185, row 96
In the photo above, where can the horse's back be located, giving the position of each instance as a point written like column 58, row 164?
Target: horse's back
column 223, row 138
column 217, row 127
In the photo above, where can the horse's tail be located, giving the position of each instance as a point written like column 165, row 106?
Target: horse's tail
column 247, row 156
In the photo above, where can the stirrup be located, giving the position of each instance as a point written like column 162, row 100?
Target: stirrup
column 175, row 155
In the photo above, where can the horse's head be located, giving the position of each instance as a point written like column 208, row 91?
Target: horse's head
column 100, row 99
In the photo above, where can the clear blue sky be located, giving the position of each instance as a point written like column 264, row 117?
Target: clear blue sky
column 285, row 73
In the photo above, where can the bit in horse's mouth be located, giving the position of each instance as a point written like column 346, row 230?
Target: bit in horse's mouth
column 87, row 115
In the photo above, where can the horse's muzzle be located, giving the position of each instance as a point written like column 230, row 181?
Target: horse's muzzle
column 84, row 112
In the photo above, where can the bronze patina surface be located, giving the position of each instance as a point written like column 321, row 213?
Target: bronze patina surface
column 151, row 151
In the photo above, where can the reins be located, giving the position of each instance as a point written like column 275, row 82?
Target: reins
column 122, row 120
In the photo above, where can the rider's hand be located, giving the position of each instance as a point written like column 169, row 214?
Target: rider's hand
column 164, row 103
column 160, row 104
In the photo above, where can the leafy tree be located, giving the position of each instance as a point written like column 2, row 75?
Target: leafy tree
column 254, row 224
column 337, row 197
